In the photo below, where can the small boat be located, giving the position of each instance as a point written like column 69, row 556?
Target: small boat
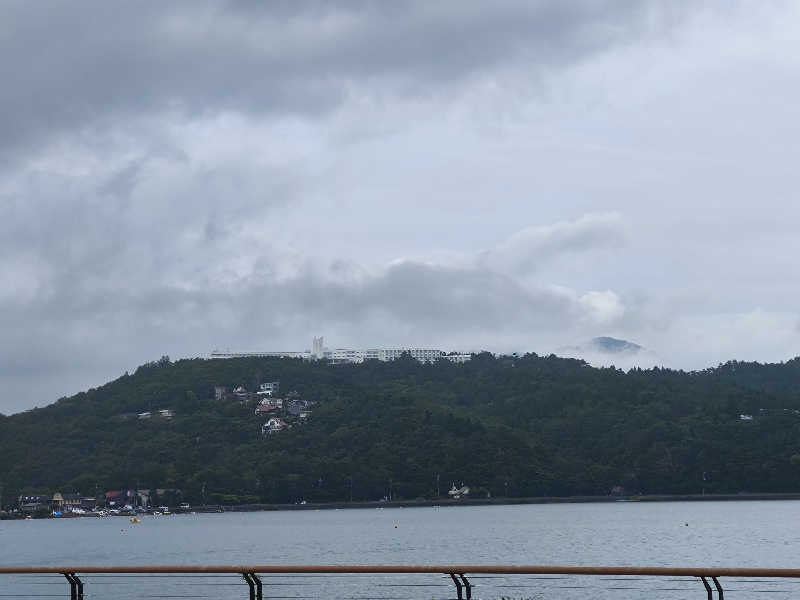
column 134, row 520
column 156, row 513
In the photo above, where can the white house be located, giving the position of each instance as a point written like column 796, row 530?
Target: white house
column 274, row 425
column 269, row 388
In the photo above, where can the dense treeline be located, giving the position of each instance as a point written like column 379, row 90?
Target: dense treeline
column 508, row 426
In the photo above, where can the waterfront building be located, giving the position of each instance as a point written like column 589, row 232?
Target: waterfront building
column 34, row 503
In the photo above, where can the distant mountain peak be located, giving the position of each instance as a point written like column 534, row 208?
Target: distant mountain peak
column 605, row 351
column 610, row 345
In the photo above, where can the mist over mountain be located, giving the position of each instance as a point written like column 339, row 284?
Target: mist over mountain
column 604, row 351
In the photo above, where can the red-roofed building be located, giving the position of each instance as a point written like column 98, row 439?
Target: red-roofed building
column 274, row 425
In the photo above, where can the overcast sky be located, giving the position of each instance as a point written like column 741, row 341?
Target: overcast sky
column 177, row 177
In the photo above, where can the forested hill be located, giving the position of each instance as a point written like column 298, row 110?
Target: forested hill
column 511, row 426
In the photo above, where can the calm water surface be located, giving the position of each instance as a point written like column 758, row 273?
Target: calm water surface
column 764, row 534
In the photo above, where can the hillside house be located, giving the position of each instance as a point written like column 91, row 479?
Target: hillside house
column 241, row 394
column 263, row 409
column 269, row 388
column 274, row 425
column 297, row 406
column 166, row 413
column 273, row 402
column 219, row 392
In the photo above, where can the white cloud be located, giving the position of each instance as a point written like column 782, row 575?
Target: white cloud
column 602, row 307
column 526, row 250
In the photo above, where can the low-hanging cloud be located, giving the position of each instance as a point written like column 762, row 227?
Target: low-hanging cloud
column 102, row 295
column 523, row 251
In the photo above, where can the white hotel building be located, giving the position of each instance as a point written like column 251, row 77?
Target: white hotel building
column 351, row 356
column 423, row 355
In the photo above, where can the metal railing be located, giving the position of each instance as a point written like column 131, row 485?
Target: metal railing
column 461, row 576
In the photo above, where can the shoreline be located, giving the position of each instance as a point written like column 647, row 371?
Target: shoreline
column 507, row 501
column 447, row 502
column 498, row 502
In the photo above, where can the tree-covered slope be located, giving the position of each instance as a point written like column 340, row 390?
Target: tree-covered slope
column 509, row 426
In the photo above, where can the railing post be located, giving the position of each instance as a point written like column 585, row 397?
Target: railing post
column 75, row 586
column 719, row 588
column 467, row 586
column 73, row 592
column 257, row 579
column 250, row 584
column 720, row 593
column 458, row 585
column 708, row 588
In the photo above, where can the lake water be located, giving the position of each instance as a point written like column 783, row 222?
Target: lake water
column 731, row 534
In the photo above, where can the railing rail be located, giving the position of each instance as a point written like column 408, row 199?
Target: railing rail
column 459, row 574
column 446, row 569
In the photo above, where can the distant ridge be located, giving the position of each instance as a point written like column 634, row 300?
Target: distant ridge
column 505, row 426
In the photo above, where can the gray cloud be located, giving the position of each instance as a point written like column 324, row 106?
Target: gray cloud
column 405, row 303
column 71, row 69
